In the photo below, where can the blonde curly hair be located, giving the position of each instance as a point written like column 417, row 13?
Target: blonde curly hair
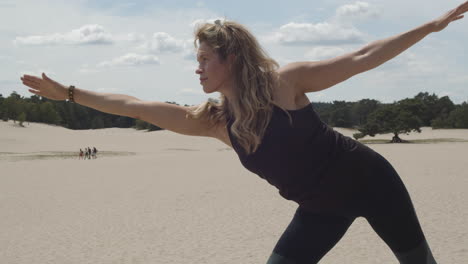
column 255, row 78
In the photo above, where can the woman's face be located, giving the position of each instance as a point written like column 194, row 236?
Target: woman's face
column 215, row 75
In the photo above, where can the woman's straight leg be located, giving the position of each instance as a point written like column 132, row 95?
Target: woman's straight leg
column 392, row 215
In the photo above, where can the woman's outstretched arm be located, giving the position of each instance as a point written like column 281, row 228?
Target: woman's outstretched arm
column 315, row 76
column 169, row 116
column 110, row 103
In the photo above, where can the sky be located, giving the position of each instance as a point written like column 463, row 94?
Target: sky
column 145, row 48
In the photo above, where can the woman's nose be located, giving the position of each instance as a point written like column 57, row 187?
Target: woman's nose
column 198, row 71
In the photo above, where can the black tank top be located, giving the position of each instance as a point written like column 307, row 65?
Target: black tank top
column 294, row 158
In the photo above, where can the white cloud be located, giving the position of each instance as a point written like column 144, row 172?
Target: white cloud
column 162, row 42
column 87, row 34
column 421, row 65
column 131, row 37
column 320, row 53
column 411, row 64
column 130, row 59
column 322, row 33
column 356, row 11
column 338, row 30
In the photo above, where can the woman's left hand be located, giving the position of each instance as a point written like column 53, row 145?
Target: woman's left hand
column 455, row 14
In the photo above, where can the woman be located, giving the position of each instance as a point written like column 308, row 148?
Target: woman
column 265, row 115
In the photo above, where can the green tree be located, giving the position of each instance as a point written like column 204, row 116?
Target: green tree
column 362, row 109
column 21, row 118
column 48, row 113
column 123, row 121
column 3, row 115
column 323, row 110
column 97, row 122
column 12, row 106
column 433, row 107
column 413, row 106
column 152, row 127
column 140, row 124
column 443, row 108
column 428, row 109
column 393, row 118
column 340, row 115
column 459, row 117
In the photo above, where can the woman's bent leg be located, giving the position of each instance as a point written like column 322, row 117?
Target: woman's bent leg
column 309, row 237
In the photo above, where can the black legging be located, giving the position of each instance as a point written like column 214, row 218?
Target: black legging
column 362, row 183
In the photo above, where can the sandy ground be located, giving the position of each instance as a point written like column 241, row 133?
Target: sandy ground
column 160, row 197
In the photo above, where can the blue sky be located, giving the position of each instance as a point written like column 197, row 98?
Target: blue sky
column 143, row 48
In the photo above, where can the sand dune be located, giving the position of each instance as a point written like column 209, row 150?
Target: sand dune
column 160, row 197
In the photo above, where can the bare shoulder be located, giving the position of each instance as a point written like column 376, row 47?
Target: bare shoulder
column 289, row 71
column 295, row 71
column 290, row 76
column 288, row 92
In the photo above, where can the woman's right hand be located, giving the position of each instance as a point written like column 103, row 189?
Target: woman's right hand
column 453, row 15
column 45, row 87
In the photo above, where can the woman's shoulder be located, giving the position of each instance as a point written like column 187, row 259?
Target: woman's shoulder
column 286, row 93
column 290, row 72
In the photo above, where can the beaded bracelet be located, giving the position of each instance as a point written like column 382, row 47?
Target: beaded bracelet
column 70, row 93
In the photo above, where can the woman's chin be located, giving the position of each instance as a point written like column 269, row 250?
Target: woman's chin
column 208, row 90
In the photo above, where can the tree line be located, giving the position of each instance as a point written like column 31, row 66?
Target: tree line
column 372, row 117
column 369, row 116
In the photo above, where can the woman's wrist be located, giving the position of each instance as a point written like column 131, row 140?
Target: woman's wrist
column 431, row 27
column 71, row 93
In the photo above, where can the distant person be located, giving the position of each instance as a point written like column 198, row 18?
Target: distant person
column 95, row 153
column 266, row 117
column 81, row 154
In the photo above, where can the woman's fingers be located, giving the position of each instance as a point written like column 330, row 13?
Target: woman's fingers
column 34, row 91
column 31, row 84
column 45, row 77
column 30, row 80
column 38, row 86
column 32, row 77
column 453, row 15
